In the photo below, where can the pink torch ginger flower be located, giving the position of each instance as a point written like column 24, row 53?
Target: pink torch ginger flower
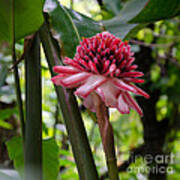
column 102, row 64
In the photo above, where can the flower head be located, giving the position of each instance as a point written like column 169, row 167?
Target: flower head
column 102, row 64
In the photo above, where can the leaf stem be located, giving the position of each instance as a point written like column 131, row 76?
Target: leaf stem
column 107, row 136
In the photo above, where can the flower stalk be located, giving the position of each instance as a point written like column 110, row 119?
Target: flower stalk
column 107, row 136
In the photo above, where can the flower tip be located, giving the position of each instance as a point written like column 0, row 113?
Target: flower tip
column 147, row 96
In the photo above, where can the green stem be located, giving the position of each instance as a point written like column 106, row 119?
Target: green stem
column 18, row 94
column 16, row 76
column 33, row 136
column 72, row 117
column 107, row 136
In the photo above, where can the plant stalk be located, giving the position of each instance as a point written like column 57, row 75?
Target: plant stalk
column 72, row 116
column 106, row 132
column 33, row 136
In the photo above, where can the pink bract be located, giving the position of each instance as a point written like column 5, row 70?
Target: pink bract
column 102, row 64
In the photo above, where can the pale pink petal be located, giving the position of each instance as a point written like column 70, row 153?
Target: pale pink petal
column 88, row 103
column 122, row 105
column 91, row 84
column 65, row 69
column 132, row 103
column 108, row 92
column 75, row 78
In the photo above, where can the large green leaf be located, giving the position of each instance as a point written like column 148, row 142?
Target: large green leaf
column 158, row 9
column 85, row 25
column 114, row 6
column 119, row 25
column 50, row 157
column 141, row 11
column 23, row 17
column 64, row 27
column 70, row 26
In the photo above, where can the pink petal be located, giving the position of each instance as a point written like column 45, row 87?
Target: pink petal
column 134, row 80
column 123, row 86
column 132, row 103
column 111, row 70
column 108, row 92
column 71, row 62
column 132, row 74
column 73, row 79
column 131, row 68
column 88, row 103
column 140, row 92
column 57, row 79
column 122, row 106
column 91, row 84
column 130, row 61
column 129, row 87
column 65, row 69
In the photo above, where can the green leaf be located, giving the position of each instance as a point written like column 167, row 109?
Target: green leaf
column 157, row 10
column 70, row 26
column 113, row 5
column 85, row 25
column 50, row 157
column 64, row 27
column 5, row 114
column 5, row 125
column 26, row 17
column 15, row 152
column 119, row 25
